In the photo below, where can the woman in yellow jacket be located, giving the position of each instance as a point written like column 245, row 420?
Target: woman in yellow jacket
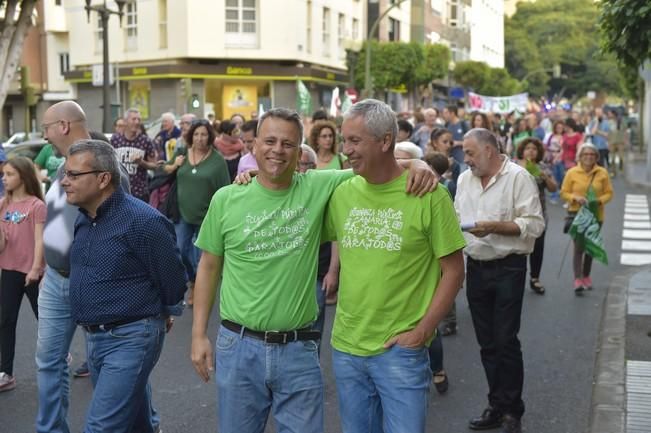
column 574, row 190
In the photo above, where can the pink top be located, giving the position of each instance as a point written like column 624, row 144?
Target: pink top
column 18, row 221
column 247, row 162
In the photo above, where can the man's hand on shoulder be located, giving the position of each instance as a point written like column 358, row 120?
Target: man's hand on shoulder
column 421, row 178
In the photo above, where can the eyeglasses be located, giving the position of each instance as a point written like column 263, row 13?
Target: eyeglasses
column 45, row 126
column 74, row 175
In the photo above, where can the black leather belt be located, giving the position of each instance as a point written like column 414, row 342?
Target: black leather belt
column 274, row 337
column 105, row 327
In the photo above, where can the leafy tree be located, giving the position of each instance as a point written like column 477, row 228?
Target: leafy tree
column 14, row 24
column 481, row 78
column 471, row 74
column 625, row 27
column 394, row 64
column 564, row 32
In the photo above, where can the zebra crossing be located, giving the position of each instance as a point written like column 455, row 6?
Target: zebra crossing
column 636, row 232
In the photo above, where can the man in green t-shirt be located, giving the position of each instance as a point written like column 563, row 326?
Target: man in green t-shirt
column 263, row 239
column 401, row 268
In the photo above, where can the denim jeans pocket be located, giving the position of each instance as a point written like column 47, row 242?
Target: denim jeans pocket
column 225, row 341
column 311, row 345
column 412, row 350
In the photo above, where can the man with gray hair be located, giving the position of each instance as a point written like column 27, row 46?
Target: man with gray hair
column 497, row 202
column 136, row 152
column 125, row 282
column 165, row 140
column 401, row 268
column 263, row 238
column 307, row 160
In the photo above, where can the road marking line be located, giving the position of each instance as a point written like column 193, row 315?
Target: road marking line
column 632, row 210
column 636, row 196
column 636, row 234
column 635, row 259
column 637, row 224
column 636, row 217
column 636, row 245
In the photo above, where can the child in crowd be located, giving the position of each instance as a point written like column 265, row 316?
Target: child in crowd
column 22, row 212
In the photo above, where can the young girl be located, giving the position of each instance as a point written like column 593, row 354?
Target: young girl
column 22, row 215
column 441, row 141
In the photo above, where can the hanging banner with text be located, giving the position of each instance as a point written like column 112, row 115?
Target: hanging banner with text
column 498, row 104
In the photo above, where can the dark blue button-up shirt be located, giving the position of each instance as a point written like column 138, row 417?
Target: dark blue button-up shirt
column 124, row 263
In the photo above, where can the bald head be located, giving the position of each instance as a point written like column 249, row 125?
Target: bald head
column 69, row 111
column 63, row 124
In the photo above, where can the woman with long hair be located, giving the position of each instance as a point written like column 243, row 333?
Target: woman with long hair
column 480, row 120
column 554, row 154
column 530, row 155
column 578, row 180
column 323, row 139
column 200, row 172
column 230, row 145
column 21, row 254
column 572, row 138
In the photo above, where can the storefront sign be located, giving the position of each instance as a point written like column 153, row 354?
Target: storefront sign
column 235, row 70
column 498, row 104
column 241, row 99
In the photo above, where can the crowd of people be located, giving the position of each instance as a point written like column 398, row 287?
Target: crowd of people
column 134, row 228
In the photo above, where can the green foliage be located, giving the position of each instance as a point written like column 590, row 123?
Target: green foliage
column 485, row 80
column 549, row 32
column 398, row 63
column 625, row 27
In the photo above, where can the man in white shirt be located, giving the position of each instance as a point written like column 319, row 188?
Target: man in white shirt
column 497, row 201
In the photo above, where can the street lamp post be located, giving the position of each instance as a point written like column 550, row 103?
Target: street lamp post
column 104, row 13
column 368, row 90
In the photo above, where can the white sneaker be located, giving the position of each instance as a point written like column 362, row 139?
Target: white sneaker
column 7, row 383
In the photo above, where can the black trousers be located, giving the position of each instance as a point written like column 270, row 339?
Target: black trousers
column 12, row 289
column 494, row 290
column 536, row 257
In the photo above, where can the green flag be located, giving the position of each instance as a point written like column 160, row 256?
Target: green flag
column 533, row 168
column 586, row 232
column 303, row 99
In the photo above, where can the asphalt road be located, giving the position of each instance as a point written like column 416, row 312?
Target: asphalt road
column 559, row 332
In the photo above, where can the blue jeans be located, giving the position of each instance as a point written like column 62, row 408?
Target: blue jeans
column 254, row 377
column 120, row 362
column 186, row 234
column 321, row 304
column 558, row 171
column 55, row 331
column 386, row 393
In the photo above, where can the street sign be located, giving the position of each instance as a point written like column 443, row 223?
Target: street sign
column 98, row 75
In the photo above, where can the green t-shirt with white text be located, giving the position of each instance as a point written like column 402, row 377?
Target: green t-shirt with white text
column 389, row 245
column 269, row 241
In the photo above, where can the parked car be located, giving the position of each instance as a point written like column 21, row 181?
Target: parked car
column 21, row 137
column 29, row 148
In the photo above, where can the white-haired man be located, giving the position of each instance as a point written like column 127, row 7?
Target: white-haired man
column 165, row 140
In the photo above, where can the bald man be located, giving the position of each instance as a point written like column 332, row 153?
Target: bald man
column 63, row 124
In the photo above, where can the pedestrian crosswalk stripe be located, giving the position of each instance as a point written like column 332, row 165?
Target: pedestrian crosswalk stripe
column 636, row 217
column 636, row 234
column 635, row 259
column 636, row 245
column 634, row 210
column 637, row 224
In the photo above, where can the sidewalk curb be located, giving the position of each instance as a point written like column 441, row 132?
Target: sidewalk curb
column 608, row 407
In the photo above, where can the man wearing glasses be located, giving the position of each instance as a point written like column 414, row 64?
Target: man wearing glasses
column 63, row 124
column 125, row 281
